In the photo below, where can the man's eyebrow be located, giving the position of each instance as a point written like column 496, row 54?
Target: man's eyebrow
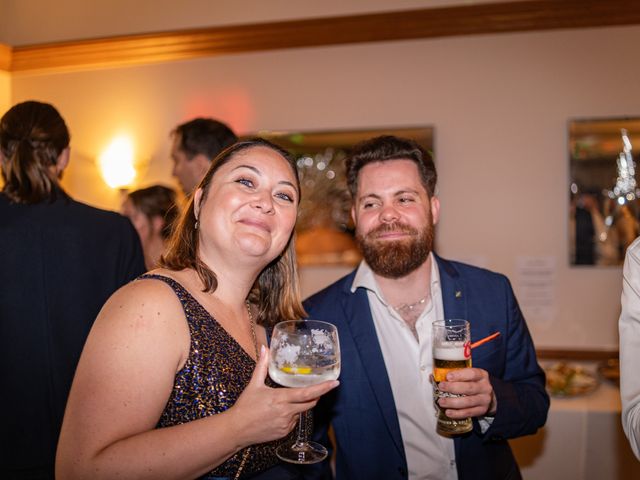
column 407, row 190
column 370, row 195
column 395, row 194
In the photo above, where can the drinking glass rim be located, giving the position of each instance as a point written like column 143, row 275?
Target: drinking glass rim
column 312, row 321
column 450, row 322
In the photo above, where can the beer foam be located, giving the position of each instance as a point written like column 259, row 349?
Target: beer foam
column 454, row 352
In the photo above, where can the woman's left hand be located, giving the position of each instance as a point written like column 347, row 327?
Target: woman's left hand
column 265, row 413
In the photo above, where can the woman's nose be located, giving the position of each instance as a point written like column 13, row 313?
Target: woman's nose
column 263, row 202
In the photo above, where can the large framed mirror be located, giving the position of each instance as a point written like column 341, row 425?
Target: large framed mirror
column 604, row 207
column 324, row 229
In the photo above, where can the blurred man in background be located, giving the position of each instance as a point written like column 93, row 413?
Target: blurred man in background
column 195, row 144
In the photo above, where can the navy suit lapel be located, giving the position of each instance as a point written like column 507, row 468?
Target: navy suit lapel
column 364, row 335
column 454, row 299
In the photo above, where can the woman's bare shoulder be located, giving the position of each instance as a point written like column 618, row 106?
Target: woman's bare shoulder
column 143, row 300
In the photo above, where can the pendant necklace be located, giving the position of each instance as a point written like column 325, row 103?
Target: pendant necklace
column 410, row 306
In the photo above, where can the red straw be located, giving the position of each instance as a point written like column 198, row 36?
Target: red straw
column 484, row 340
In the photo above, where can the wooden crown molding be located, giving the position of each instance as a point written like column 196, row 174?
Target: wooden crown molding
column 5, row 57
column 577, row 355
column 403, row 25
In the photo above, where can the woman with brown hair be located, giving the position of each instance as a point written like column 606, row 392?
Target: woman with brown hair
column 152, row 211
column 59, row 262
column 171, row 382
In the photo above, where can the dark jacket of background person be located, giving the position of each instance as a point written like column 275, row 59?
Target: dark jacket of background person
column 59, row 262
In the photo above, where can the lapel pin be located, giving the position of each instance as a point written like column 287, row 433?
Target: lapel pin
column 458, row 293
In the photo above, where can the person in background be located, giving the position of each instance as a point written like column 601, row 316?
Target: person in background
column 195, row 144
column 626, row 224
column 585, row 210
column 152, row 211
column 629, row 329
column 59, row 262
column 171, row 382
column 382, row 414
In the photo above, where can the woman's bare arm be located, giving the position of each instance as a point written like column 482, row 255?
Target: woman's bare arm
column 123, row 381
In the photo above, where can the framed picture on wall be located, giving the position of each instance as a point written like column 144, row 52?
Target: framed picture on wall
column 324, row 230
column 604, row 208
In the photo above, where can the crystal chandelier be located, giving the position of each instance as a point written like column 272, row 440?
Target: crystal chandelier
column 625, row 189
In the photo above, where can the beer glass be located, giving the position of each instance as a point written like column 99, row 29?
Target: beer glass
column 451, row 340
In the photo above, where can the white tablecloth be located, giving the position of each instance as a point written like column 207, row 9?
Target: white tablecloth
column 582, row 440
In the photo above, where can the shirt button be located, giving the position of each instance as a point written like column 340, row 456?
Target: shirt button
column 423, row 368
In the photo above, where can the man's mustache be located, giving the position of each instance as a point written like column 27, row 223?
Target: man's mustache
column 392, row 227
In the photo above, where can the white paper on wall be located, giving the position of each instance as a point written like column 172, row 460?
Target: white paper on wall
column 536, row 287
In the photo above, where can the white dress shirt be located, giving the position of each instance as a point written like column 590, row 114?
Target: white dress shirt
column 409, row 364
column 629, row 326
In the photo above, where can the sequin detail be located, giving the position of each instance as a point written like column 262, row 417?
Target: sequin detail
column 213, row 377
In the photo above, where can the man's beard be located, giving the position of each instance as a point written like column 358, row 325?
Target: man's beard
column 396, row 259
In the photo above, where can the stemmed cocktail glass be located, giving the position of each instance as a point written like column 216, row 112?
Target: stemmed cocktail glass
column 303, row 353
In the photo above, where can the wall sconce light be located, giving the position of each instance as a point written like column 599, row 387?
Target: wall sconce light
column 116, row 163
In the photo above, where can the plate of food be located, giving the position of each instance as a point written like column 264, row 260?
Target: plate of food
column 610, row 370
column 564, row 380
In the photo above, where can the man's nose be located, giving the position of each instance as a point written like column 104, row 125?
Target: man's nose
column 389, row 214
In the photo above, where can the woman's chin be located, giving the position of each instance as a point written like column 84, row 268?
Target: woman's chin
column 254, row 247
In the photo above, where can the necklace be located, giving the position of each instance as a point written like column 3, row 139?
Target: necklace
column 252, row 322
column 410, row 306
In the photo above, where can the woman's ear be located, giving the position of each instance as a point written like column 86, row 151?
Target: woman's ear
column 62, row 162
column 197, row 197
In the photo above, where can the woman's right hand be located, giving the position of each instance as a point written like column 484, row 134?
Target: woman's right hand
column 264, row 413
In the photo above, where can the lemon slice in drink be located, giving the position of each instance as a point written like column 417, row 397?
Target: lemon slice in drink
column 297, row 370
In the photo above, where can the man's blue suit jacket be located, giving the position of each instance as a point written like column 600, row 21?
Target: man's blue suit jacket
column 362, row 409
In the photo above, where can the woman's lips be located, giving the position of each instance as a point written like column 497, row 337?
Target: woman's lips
column 256, row 223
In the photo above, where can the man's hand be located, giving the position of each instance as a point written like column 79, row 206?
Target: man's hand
column 479, row 400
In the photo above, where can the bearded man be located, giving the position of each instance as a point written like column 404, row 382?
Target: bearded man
column 383, row 414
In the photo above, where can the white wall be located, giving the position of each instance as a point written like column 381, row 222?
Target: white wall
column 499, row 104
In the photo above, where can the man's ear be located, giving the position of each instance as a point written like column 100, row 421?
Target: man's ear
column 157, row 224
column 201, row 165
column 435, row 209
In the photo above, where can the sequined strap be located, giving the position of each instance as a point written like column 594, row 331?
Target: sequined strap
column 182, row 293
column 190, row 305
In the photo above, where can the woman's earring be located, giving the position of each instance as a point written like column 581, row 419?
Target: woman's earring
column 195, row 227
